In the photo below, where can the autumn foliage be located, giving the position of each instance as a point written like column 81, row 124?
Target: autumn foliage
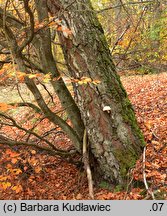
column 37, row 157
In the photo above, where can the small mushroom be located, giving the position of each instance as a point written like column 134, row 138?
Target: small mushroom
column 107, row 109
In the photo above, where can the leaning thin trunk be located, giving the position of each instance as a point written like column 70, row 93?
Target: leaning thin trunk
column 17, row 55
column 43, row 46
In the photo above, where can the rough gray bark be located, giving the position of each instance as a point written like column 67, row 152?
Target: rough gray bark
column 115, row 139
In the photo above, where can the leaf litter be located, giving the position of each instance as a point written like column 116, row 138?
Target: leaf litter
column 26, row 173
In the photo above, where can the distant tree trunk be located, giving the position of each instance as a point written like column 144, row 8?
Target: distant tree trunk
column 114, row 137
column 156, row 26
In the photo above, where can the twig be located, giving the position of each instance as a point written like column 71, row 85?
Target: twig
column 14, row 124
column 144, row 175
column 121, row 5
column 69, row 5
column 27, row 104
column 51, row 131
column 9, row 142
column 150, row 195
column 120, row 37
column 128, row 185
column 45, row 88
column 30, row 35
column 87, row 166
column 56, row 43
column 135, row 30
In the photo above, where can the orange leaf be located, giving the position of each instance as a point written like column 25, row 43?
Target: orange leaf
column 9, row 166
column 59, row 28
column 4, row 107
column 8, row 151
column 33, row 152
column 2, row 71
column 5, row 185
column 14, row 160
column 12, row 153
column 17, row 171
column 17, row 188
column 3, row 178
column 148, row 124
column 38, row 169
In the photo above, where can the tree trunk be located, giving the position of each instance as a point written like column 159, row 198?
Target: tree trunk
column 43, row 46
column 18, row 57
column 114, row 136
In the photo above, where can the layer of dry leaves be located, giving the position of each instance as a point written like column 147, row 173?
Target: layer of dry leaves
column 30, row 174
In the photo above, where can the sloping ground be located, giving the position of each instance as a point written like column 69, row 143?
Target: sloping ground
column 48, row 177
column 12, row 93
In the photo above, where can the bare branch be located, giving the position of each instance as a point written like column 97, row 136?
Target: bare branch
column 135, row 29
column 32, row 65
column 144, row 175
column 124, row 4
column 45, row 88
column 87, row 165
column 27, row 104
column 11, row 19
column 14, row 124
column 9, row 142
column 30, row 32
column 120, row 37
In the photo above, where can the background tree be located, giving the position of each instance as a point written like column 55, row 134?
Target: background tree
column 135, row 47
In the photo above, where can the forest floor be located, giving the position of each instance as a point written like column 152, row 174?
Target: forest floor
column 26, row 173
